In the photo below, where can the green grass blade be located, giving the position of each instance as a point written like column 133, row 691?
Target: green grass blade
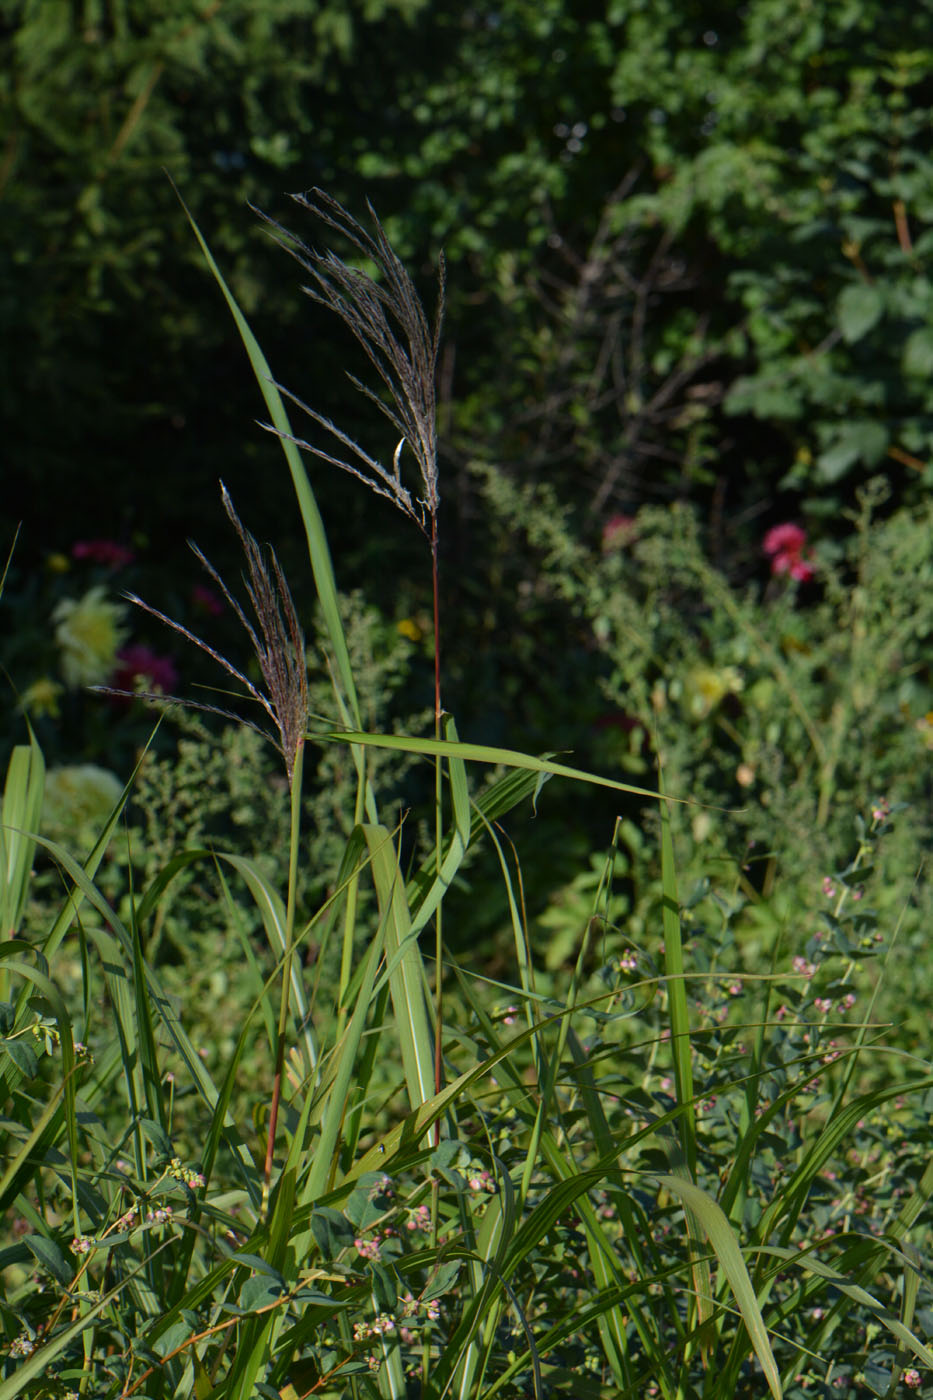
column 683, row 1163
column 145, row 1036
column 20, row 814
column 677, row 992
column 86, row 890
column 272, row 912
column 857, row 1295
column 786, row 1208
column 456, row 846
column 406, row 973
column 726, row 1248
column 481, row 753
column 500, row 797
column 343, row 1081
column 51, row 994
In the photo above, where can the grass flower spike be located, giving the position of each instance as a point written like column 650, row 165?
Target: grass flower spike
column 279, row 645
column 389, row 322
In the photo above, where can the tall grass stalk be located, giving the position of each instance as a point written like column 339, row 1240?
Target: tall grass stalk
column 388, row 321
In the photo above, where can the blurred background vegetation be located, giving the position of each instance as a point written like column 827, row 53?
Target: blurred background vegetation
column 689, row 253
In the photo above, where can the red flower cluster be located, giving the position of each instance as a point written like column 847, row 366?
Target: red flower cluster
column 140, row 662
column 115, row 556
column 785, row 545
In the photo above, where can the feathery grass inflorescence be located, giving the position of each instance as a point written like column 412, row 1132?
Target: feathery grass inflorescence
column 404, row 355
column 279, row 646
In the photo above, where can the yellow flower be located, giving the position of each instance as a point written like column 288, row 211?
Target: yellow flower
column 78, row 801
column 706, row 688
column 41, row 698
column 409, row 628
column 57, row 563
column 89, row 634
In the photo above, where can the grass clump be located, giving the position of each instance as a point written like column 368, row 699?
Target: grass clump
column 655, row 1165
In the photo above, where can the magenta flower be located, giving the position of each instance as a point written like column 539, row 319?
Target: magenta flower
column 785, row 545
column 115, row 556
column 139, row 662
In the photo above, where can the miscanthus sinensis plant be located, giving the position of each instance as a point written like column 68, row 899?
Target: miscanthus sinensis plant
column 665, row 1177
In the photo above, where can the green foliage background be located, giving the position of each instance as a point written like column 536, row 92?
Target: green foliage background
column 689, row 244
column 688, row 248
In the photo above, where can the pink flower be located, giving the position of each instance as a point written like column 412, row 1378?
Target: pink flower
column 140, row 662
column 108, row 552
column 785, row 545
column 618, row 530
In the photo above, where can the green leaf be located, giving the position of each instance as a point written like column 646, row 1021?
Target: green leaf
column 257, row 1264
column 918, row 353
column 442, row 1282
column 863, row 440
column 174, row 1337
column 259, row 1291
column 157, row 1136
column 331, row 1230
column 23, row 1056
column 858, row 309
column 50, row 1257
column 364, row 1205
column 765, row 396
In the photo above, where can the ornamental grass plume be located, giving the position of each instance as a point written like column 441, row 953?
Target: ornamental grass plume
column 389, row 322
column 278, row 644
